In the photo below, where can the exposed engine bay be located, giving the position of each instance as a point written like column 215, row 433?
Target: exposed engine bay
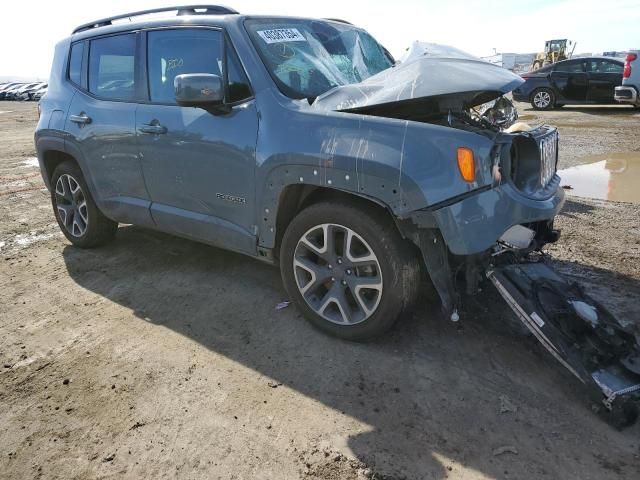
column 501, row 113
column 495, row 116
column 487, row 118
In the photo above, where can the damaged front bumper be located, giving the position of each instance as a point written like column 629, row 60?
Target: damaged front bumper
column 492, row 234
column 463, row 234
column 475, row 223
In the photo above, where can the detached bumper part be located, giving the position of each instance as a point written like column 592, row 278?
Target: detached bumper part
column 580, row 333
column 517, row 237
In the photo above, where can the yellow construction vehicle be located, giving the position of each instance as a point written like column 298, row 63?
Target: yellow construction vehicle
column 554, row 51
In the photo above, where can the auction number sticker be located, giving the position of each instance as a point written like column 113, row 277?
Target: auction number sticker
column 278, row 35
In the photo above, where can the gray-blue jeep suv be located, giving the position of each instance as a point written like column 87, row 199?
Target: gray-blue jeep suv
column 302, row 142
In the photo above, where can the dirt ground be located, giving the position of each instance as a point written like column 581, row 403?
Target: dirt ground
column 156, row 357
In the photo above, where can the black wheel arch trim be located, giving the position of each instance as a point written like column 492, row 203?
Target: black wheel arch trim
column 54, row 143
column 45, row 144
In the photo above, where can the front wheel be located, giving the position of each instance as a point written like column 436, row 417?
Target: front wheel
column 78, row 216
column 348, row 270
column 543, row 99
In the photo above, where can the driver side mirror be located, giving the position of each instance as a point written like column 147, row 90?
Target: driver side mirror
column 199, row 90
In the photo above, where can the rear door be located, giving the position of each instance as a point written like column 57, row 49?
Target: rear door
column 199, row 166
column 570, row 80
column 604, row 76
column 101, row 124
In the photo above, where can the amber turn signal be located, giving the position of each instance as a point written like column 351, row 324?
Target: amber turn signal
column 466, row 165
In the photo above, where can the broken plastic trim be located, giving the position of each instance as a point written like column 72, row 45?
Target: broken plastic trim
column 578, row 332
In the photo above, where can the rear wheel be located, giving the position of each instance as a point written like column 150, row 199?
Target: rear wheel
column 543, row 99
column 75, row 210
column 348, row 270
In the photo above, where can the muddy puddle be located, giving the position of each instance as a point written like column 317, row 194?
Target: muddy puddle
column 614, row 176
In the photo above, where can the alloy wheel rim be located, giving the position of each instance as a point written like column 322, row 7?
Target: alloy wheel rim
column 542, row 99
column 71, row 205
column 338, row 274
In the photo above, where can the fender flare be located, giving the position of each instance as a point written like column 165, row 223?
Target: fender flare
column 278, row 179
column 49, row 142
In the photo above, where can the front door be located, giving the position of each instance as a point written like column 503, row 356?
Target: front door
column 198, row 166
column 604, row 77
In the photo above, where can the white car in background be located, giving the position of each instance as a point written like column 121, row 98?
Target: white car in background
column 10, row 92
column 27, row 91
column 39, row 93
column 16, row 93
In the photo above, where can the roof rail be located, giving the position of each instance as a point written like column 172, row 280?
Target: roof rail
column 182, row 10
column 339, row 20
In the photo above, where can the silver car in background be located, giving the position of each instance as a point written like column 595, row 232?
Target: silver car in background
column 629, row 91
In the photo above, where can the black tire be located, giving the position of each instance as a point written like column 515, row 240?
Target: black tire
column 398, row 262
column 540, row 105
column 98, row 229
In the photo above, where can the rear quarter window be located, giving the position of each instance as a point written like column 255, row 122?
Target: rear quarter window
column 75, row 63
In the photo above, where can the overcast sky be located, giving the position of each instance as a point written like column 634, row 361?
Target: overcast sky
column 27, row 35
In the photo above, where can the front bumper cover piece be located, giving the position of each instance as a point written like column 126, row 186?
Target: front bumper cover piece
column 578, row 332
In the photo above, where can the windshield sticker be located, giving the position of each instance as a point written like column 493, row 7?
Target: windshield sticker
column 278, row 35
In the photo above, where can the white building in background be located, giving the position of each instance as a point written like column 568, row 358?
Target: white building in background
column 516, row 62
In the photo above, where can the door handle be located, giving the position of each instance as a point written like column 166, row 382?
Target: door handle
column 81, row 119
column 153, row 127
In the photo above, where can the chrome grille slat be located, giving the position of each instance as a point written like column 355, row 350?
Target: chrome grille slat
column 548, row 146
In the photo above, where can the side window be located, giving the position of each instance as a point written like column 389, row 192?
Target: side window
column 604, row 66
column 111, row 67
column 239, row 88
column 571, row 67
column 614, row 67
column 75, row 63
column 175, row 52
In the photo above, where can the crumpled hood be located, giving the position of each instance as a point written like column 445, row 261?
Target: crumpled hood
column 461, row 81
